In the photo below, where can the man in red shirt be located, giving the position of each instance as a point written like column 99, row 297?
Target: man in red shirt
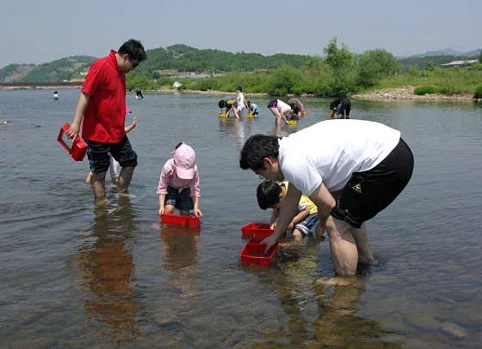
column 101, row 110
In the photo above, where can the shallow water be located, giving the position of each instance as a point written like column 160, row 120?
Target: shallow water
column 74, row 275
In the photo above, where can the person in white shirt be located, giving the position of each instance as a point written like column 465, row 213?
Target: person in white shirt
column 351, row 169
column 240, row 103
column 280, row 110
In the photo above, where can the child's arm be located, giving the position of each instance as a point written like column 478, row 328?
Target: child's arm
column 197, row 211
column 196, row 194
column 162, row 199
column 133, row 124
column 299, row 217
column 162, row 189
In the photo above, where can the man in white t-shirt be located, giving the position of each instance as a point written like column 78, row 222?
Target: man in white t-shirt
column 351, row 170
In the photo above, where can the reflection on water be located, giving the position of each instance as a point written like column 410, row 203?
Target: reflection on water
column 179, row 255
column 319, row 314
column 107, row 266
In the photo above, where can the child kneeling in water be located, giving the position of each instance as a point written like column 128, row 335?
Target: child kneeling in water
column 179, row 183
column 270, row 195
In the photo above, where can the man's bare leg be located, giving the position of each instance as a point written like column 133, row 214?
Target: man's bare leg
column 98, row 186
column 343, row 247
column 365, row 254
column 125, row 177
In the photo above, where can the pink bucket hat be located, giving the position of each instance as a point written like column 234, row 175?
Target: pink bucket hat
column 185, row 161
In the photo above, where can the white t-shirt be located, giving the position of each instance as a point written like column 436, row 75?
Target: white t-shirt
column 330, row 151
column 282, row 106
column 240, row 100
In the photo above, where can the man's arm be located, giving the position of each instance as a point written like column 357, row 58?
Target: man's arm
column 74, row 129
column 324, row 201
column 288, row 210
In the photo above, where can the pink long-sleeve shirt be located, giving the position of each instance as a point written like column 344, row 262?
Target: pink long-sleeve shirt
column 169, row 178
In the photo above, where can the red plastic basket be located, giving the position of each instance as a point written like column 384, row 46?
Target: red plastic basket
column 259, row 230
column 253, row 253
column 76, row 148
column 177, row 219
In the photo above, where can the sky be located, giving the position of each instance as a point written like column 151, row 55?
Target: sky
column 34, row 31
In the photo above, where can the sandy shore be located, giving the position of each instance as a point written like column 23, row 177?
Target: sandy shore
column 406, row 93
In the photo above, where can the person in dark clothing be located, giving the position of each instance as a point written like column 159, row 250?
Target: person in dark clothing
column 341, row 108
column 139, row 94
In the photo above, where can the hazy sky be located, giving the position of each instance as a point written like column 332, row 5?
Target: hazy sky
column 34, row 31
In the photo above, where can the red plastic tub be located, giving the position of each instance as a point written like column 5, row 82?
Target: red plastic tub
column 177, row 219
column 259, row 230
column 253, row 253
column 76, row 148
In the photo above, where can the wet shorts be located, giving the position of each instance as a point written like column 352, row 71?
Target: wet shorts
column 99, row 159
column 273, row 103
column 369, row 192
column 308, row 225
column 179, row 198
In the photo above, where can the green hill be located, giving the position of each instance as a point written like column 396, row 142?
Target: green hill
column 181, row 59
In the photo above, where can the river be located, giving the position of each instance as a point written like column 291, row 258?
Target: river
column 74, row 275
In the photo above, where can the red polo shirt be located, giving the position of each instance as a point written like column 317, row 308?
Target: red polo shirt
column 104, row 117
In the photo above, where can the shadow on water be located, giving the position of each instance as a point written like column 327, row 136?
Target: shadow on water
column 108, row 273
column 318, row 313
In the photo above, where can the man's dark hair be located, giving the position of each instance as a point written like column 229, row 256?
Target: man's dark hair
column 222, row 103
column 256, row 148
column 134, row 49
column 268, row 193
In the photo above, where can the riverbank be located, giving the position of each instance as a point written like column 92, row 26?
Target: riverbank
column 395, row 93
column 406, row 93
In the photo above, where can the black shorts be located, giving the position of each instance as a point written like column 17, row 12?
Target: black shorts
column 179, row 198
column 99, row 159
column 369, row 192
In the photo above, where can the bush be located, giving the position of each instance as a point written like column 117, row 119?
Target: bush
column 478, row 92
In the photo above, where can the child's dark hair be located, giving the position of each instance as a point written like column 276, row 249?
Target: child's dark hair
column 268, row 193
column 134, row 49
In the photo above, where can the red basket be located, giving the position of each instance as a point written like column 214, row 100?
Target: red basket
column 253, row 253
column 177, row 219
column 76, row 148
column 259, row 230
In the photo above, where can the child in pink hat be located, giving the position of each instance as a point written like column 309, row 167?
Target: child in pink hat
column 179, row 183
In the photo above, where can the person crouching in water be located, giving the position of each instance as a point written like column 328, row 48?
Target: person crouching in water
column 270, row 194
column 340, row 108
column 179, row 183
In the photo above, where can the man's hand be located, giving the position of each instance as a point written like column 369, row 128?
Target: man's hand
column 269, row 242
column 198, row 213
column 161, row 210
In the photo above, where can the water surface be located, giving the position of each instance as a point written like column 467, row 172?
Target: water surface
column 74, row 275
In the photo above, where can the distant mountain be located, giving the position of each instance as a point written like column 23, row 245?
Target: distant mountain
column 448, row 52
column 55, row 71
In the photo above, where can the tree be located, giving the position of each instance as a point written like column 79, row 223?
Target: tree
column 374, row 65
column 336, row 57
